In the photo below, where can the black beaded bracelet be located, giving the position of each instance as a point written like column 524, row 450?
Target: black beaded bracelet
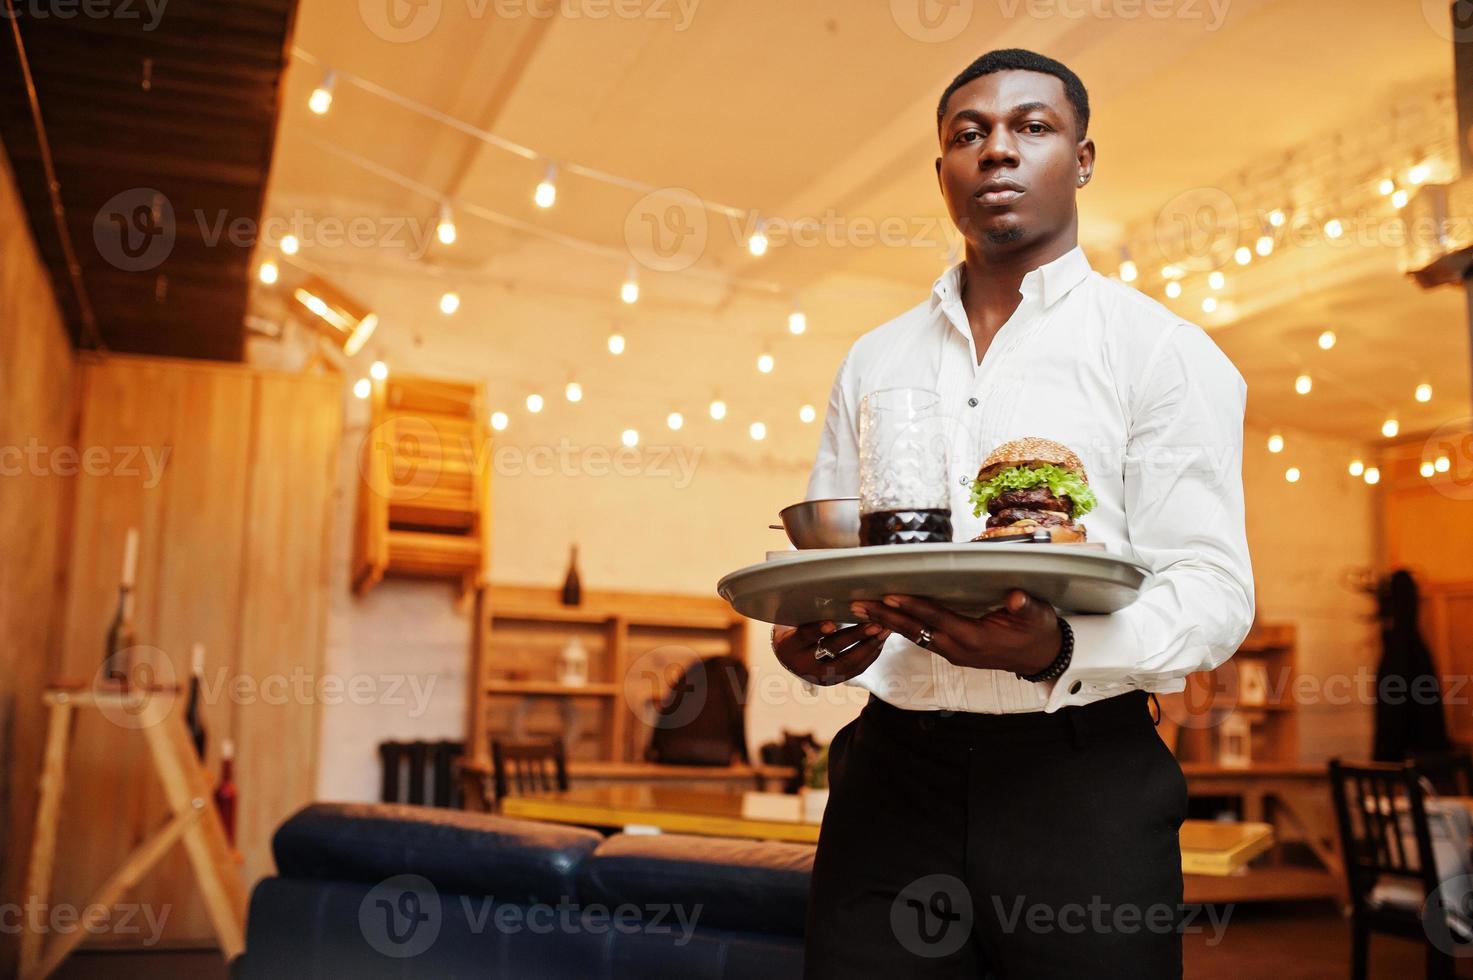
column 1061, row 662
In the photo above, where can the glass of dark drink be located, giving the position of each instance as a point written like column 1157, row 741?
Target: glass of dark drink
column 904, row 495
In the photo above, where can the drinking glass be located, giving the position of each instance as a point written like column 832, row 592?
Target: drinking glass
column 904, row 496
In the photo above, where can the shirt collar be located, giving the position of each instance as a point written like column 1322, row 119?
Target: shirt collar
column 1051, row 281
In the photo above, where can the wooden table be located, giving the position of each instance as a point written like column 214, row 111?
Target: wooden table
column 763, row 816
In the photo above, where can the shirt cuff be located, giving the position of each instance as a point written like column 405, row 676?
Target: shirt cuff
column 1106, row 652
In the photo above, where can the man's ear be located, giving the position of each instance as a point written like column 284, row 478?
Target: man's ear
column 1084, row 153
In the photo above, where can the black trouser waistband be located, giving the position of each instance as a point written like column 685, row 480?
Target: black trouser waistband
column 1129, row 710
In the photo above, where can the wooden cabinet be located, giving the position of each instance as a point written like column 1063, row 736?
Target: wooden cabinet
column 1244, row 712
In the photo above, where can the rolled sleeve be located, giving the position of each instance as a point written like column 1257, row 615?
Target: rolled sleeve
column 1183, row 501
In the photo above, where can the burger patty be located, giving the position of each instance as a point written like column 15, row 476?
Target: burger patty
column 1048, row 518
column 1038, row 498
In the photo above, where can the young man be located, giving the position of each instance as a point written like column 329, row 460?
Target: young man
column 1003, row 806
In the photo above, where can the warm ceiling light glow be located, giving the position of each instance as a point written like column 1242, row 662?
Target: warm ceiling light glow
column 321, row 98
column 757, row 431
column 1327, row 340
column 765, row 363
column 1442, row 464
column 499, row 421
column 1209, row 305
column 1216, row 279
column 341, row 318
column 534, row 403
column 1304, row 384
column 675, row 420
column 807, row 414
column 616, row 343
column 630, row 438
column 1357, row 467
column 269, row 272
column 1373, row 475
column 362, row 388
column 1264, row 245
column 757, row 244
column 445, row 228
column 1172, row 272
column 449, row 302
column 1333, row 228
column 797, row 322
column 290, row 245
column 629, row 292
column 1243, row 255
column 1292, row 474
column 1418, row 173
column 574, row 391
column 546, row 195
column 1386, row 186
column 1276, row 218
column 378, row 370
column 1128, row 271
column 1390, row 428
column 1424, row 393
column 1275, row 443
column 1399, row 199
column 718, row 410
column 1427, row 468
column 1173, row 289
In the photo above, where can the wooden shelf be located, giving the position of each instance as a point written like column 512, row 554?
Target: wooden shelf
column 552, row 688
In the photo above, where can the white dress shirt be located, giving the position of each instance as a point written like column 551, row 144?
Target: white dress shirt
column 1155, row 411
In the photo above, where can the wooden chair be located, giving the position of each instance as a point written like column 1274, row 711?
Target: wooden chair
column 532, row 767
column 1389, row 863
column 420, row 772
column 1451, row 772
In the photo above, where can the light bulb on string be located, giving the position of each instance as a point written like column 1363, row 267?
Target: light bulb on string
column 1334, row 229
column 765, row 363
column 1275, row 443
column 1242, row 255
column 1386, row 187
column 445, row 227
column 1427, row 469
column 797, row 321
column 675, row 421
column 629, row 292
column 758, row 431
column 1292, row 474
column 362, row 388
column 1209, row 305
column 1390, row 428
column 1442, row 464
column 1128, row 270
column 268, row 272
column 1423, row 393
column 1357, row 467
column 757, row 244
column 1276, row 217
column 1373, row 475
column 630, row 438
column 1173, row 289
column 1216, row 280
column 290, row 245
column 449, row 302
column 378, row 370
column 1172, row 271
column 1326, row 339
column 718, row 409
column 499, row 421
column 546, row 193
column 1304, row 384
column 321, row 98
column 1399, row 199
column 573, row 392
column 807, row 414
column 1264, row 246
column 616, row 343
column 534, row 403
column 1418, row 173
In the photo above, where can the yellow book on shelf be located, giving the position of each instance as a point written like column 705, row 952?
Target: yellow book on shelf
column 1212, row 847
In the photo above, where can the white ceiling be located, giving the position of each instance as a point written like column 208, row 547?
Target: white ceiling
column 825, row 110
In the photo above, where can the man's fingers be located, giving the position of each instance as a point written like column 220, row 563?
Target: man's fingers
column 938, row 618
column 852, row 662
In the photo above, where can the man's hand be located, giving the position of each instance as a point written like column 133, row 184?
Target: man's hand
column 1023, row 636
column 855, row 648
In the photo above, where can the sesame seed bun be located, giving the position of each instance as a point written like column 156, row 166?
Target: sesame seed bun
column 1030, row 451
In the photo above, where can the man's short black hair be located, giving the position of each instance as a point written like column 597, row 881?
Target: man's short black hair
column 1017, row 59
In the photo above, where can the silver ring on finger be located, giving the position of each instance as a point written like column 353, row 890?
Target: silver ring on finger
column 924, row 639
column 822, row 653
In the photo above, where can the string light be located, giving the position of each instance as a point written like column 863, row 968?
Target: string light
column 1128, row 271
column 1327, row 340
column 1390, row 428
column 616, row 343
column 378, row 370
column 797, row 322
column 445, row 228
column 321, row 98
column 757, row 244
column 1399, row 199
column 806, row 414
column 630, row 438
column 499, row 421
column 1265, row 245
column 758, row 431
column 675, row 421
column 1292, row 474
column 1357, row 467
column 718, row 410
column 1173, row 289
column 1424, row 393
column 1386, row 187
column 362, row 388
column 534, row 403
column 1304, row 384
column 1427, row 469
column 1276, row 218
column 1172, row 271
column 1333, row 228
column 1418, row 173
column 546, row 194
column 290, row 245
column 1275, row 443
column 1373, row 475
column 629, row 292
column 269, row 273
column 1243, row 255
column 449, row 302
column 1442, row 464
column 765, row 363
column 1216, row 280
column 573, row 392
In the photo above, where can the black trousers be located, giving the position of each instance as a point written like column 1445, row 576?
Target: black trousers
column 1011, row 847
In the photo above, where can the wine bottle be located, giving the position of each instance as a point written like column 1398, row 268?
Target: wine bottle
column 192, row 712
column 572, row 587
column 121, row 637
column 225, row 790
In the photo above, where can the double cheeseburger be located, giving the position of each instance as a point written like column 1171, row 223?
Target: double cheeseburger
column 1032, row 484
